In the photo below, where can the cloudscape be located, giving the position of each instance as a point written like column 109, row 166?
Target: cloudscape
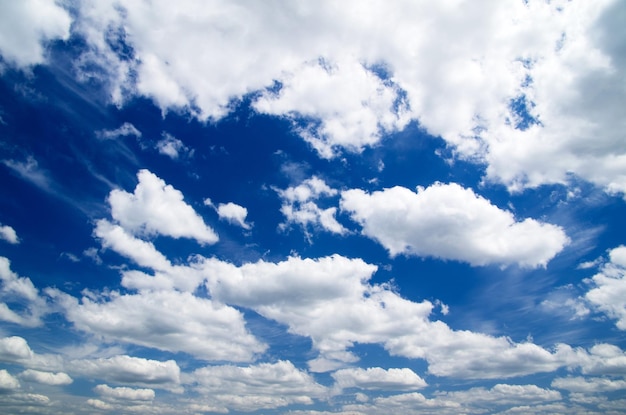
column 313, row 207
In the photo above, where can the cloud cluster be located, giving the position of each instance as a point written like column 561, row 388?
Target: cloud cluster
column 450, row 222
column 531, row 89
column 20, row 302
column 608, row 292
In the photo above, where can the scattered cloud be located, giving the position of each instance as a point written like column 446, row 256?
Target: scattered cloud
column 8, row 382
column 233, row 213
column 124, row 393
column 451, row 222
column 125, row 130
column 47, row 378
column 376, row 378
column 172, row 147
column 608, row 292
column 588, row 385
column 156, row 208
column 20, row 302
column 299, row 206
column 8, row 234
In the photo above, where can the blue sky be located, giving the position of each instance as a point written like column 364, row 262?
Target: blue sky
column 312, row 208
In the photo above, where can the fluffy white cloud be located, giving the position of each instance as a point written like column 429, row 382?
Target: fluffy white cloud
column 130, row 370
column 407, row 403
column 262, row 386
column 450, row 222
column 604, row 359
column 532, row 89
column 376, row 378
column 8, row 234
column 608, row 294
column 20, row 293
column 15, row 350
column 299, row 206
column 7, row 381
column 331, row 301
column 172, row 147
column 233, row 213
column 362, row 109
column 26, row 26
column 156, row 208
column 124, row 393
column 47, row 378
column 166, row 320
column 588, row 385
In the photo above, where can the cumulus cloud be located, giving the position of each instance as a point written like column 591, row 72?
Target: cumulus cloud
column 8, row 382
column 15, row 350
column 233, row 213
column 124, row 393
column 20, row 302
column 531, row 89
column 130, row 370
column 588, row 385
column 165, row 320
column 172, row 147
column 363, row 108
column 8, row 234
column 156, row 208
column 262, row 386
column 503, row 394
column 299, row 206
column 47, row 378
column 27, row 26
column 451, row 222
column 608, row 294
column 376, row 378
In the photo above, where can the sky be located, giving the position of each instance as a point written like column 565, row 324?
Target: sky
column 313, row 207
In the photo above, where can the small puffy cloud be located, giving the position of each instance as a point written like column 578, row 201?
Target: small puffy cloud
column 603, row 359
column 26, row 26
column 608, row 292
column 588, row 385
column 8, row 382
column 19, row 293
column 8, row 234
column 125, row 130
column 98, row 404
column 450, row 222
column 15, row 350
column 377, row 378
column 129, row 370
column 124, row 393
column 172, row 147
column 262, row 386
column 299, row 206
column 233, row 213
column 46, row 378
column 156, row 208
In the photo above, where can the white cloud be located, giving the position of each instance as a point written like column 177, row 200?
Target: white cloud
column 561, row 60
column 233, row 213
column 608, row 294
column 15, row 350
column 363, row 107
column 26, row 26
column 8, row 234
column 19, row 293
column 376, row 378
column 124, row 393
column 330, row 300
column 156, row 208
column 130, row 370
column 126, row 129
column 262, row 386
column 603, row 359
column 407, row 403
column 172, row 147
column 8, row 382
column 166, row 320
column 503, row 394
column 47, row 378
column 450, row 222
column 299, row 206
column 588, row 385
